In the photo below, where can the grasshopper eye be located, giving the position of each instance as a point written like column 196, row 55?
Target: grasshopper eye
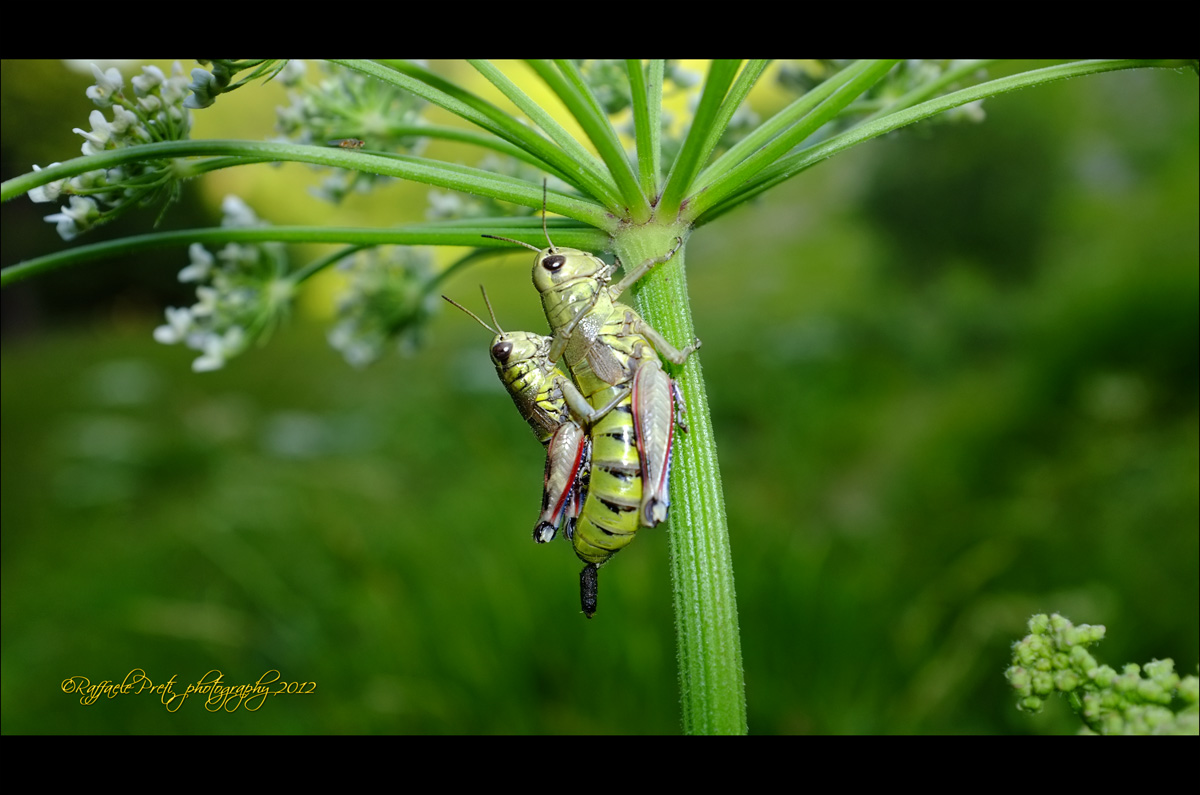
column 554, row 262
column 501, row 351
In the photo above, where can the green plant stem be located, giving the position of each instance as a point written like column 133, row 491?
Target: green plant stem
column 417, row 169
column 444, row 234
column 567, row 83
column 934, row 87
column 547, row 122
column 712, row 689
column 646, row 97
column 777, row 124
column 730, row 182
column 692, row 154
column 316, row 266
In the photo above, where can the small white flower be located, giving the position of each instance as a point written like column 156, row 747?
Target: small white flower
column 213, row 357
column 204, row 90
column 443, row 205
column 123, row 120
column 237, row 213
column 100, row 135
column 76, row 218
column 201, row 264
column 179, row 323
column 149, row 104
column 150, row 79
column 219, row 348
column 207, row 304
column 231, row 254
column 179, row 117
column 107, row 84
column 175, row 88
column 49, row 192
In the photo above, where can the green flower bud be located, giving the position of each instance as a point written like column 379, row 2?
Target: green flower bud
column 1081, row 660
column 1019, row 678
column 1042, row 683
column 1066, row 680
column 1189, row 689
column 1103, row 676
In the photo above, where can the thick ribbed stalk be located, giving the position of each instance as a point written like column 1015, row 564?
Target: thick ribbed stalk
column 710, row 656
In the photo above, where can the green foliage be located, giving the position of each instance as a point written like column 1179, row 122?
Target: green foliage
column 1055, row 658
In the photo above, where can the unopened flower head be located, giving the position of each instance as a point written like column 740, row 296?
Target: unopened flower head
column 452, row 204
column 208, row 84
column 388, row 299
column 1054, row 657
column 347, row 105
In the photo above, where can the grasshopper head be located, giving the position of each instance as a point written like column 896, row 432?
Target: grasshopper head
column 555, row 267
column 513, row 348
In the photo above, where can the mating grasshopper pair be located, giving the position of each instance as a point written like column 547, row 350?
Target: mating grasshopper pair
column 603, row 483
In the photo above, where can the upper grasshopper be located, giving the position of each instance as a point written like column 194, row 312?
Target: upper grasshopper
column 608, row 346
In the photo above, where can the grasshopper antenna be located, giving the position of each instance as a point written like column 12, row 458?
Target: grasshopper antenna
column 546, row 231
column 491, row 311
column 510, row 240
column 472, row 314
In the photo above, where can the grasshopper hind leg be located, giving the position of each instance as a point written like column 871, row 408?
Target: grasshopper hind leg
column 588, row 585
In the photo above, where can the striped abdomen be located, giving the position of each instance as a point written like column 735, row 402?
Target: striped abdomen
column 609, row 518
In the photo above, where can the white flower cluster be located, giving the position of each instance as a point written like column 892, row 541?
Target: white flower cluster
column 154, row 113
column 242, row 292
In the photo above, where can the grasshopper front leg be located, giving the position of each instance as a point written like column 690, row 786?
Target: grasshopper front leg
column 631, row 276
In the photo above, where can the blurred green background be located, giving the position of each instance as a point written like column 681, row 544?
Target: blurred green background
column 953, row 376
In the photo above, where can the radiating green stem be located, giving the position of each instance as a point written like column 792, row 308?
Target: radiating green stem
column 708, row 206
column 431, row 234
column 418, row 169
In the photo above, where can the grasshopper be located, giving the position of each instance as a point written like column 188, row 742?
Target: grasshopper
column 607, row 345
column 593, row 482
